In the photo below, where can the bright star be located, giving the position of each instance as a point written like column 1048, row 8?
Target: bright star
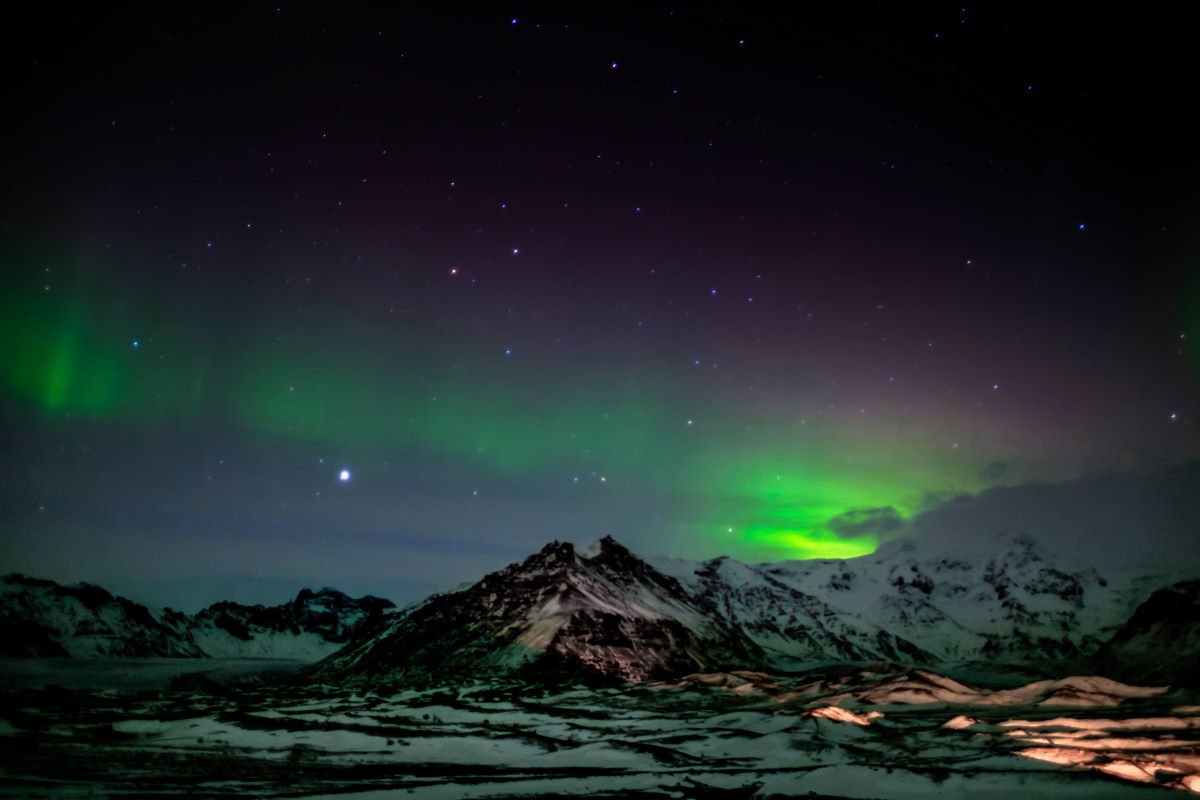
column 344, row 475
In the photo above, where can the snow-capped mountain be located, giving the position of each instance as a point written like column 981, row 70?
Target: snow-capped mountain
column 604, row 610
column 791, row 626
column 310, row 627
column 1002, row 599
column 43, row 618
column 601, row 611
column 608, row 611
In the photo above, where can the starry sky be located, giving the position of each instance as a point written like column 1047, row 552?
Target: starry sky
column 384, row 299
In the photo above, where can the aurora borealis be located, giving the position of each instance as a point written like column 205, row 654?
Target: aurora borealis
column 382, row 299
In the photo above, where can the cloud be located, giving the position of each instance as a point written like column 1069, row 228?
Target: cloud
column 994, row 471
column 1106, row 519
column 883, row 522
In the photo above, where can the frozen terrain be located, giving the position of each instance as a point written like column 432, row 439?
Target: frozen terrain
column 865, row 731
column 595, row 673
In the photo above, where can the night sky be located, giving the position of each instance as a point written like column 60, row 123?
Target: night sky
column 386, row 299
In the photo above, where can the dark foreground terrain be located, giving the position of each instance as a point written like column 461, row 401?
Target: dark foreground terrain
column 862, row 732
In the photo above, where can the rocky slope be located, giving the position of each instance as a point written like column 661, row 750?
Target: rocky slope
column 602, row 612
column 43, row 618
column 1161, row 641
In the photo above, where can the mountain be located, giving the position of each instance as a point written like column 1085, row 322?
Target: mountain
column 311, row 626
column 606, row 611
column 43, row 618
column 603, row 611
column 1167, row 623
column 1000, row 599
column 791, row 626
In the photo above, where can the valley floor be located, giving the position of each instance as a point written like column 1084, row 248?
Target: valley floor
column 743, row 737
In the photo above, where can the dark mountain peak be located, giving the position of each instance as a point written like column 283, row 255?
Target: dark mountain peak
column 547, row 565
column 554, row 551
column 1024, row 541
column 1179, row 602
column 609, row 544
column 623, row 568
column 324, row 591
column 609, row 551
column 329, row 596
column 603, row 610
column 1161, row 641
column 21, row 579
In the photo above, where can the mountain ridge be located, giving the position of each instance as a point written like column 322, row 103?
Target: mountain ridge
column 610, row 613
column 40, row 617
column 605, row 610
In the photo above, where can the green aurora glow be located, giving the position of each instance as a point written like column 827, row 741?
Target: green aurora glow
column 746, row 487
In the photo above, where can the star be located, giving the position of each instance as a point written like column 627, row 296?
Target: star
column 344, row 475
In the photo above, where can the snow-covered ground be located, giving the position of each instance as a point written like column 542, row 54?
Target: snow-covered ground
column 860, row 732
column 131, row 674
